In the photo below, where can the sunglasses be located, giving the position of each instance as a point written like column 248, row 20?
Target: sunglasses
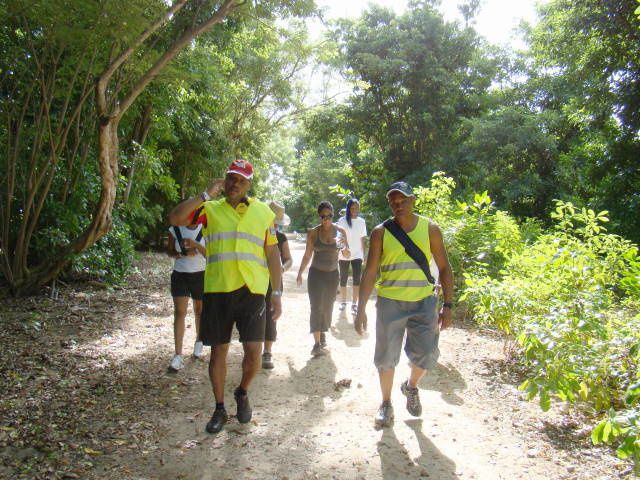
column 324, row 217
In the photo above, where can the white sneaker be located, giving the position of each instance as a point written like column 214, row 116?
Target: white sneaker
column 197, row 349
column 176, row 363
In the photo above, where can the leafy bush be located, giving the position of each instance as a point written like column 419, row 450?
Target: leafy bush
column 111, row 258
column 479, row 238
column 570, row 298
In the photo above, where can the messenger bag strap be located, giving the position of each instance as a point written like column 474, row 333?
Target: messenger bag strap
column 199, row 236
column 178, row 234
column 410, row 248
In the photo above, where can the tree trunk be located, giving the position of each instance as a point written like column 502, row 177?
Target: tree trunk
column 101, row 224
column 109, row 110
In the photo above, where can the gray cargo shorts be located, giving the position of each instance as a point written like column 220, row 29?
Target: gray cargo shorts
column 419, row 319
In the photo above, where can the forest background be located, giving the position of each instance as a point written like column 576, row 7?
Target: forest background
column 114, row 111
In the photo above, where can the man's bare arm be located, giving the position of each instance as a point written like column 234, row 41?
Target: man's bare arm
column 180, row 216
column 368, row 279
column 441, row 258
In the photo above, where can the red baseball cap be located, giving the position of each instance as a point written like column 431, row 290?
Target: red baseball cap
column 241, row 167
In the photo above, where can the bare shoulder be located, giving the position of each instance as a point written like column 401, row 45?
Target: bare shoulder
column 434, row 229
column 311, row 233
column 377, row 230
column 377, row 233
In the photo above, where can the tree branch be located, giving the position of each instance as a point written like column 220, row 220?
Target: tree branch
column 120, row 59
column 225, row 9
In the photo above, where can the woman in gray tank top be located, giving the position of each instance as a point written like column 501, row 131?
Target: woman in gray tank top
column 323, row 243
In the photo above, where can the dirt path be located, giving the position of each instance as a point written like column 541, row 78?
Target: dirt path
column 474, row 425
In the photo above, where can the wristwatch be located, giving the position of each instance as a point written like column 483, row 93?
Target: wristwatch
column 204, row 196
column 448, row 305
column 276, row 293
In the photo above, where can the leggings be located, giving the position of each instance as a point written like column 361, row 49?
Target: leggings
column 356, row 264
column 322, row 288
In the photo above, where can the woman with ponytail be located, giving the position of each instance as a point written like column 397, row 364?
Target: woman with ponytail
column 356, row 229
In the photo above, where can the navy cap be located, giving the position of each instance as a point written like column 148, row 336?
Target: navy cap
column 402, row 187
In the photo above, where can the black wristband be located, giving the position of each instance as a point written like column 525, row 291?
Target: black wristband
column 448, row 305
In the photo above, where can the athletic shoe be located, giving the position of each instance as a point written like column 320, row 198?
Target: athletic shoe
column 244, row 408
column 197, row 349
column 354, row 309
column 384, row 417
column 323, row 339
column 267, row 362
column 342, row 306
column 218, row 419
column 413, row 398
column 176, row 363
column 318, row 350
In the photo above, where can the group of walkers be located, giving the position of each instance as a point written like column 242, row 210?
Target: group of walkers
column 230, row 255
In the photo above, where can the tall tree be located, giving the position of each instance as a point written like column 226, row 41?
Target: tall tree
column 124, row 46
column 416, row 77
column 588, row 54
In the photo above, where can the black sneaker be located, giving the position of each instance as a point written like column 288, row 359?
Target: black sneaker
column 413, row 398
column 244, row 408
column 384, row 417
column 323, row 339
column 318, row 350
column 218, row 419
column 267, row 362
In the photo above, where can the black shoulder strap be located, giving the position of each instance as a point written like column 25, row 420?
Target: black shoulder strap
column 178, row 234
column 409, row 247
column 199, row 236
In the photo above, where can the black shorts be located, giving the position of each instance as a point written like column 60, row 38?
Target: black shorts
column 187, row 284
column 220, row 311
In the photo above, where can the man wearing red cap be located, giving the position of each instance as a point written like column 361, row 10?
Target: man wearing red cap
column 242, row 256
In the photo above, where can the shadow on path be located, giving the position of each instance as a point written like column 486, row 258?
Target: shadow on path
column 396, row 462
column 447, row 380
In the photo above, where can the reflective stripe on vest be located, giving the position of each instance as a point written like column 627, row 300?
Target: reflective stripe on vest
column 400, row 266
column 400, row 277
column 236, row 256
column 404, row 283
column 237, row 235
column 235, row 246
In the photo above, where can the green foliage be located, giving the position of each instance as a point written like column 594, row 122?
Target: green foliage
column 569, row 298
column 415, row 78
column 110, row 259
column 219, row 99
column 479, row 238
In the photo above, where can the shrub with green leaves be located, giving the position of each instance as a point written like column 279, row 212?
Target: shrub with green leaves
column 571, row 299
column 111, row 258
column 479, row 237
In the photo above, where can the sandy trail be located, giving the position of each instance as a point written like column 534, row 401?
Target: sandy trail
column 474, row 424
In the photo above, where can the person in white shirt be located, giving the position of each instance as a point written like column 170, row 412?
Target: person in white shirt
column 186, row 245
column 356, row 229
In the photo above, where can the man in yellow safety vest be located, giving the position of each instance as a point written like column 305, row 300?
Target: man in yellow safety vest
column 407, row 299
column 242, row 256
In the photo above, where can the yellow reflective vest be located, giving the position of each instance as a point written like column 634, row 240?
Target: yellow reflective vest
column 400, row 277
column 235, row 246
